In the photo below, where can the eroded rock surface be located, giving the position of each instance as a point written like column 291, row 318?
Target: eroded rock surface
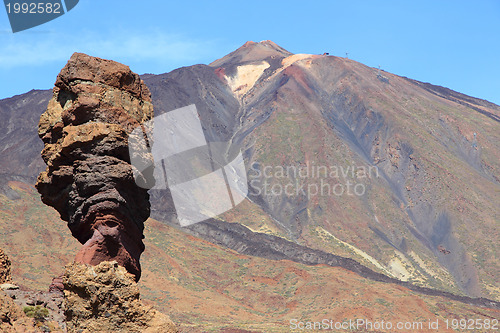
column 12, row 318
column 4, row 267
column 12, row 300
column 96, row 104
column 105, row 298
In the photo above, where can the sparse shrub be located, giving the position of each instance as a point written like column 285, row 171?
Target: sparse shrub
column 38, row 312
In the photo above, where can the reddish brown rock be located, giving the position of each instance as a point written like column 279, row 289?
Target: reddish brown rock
column 96, row 104
column 56, row 285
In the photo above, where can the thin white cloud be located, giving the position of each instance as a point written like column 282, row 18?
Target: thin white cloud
column 154, row 46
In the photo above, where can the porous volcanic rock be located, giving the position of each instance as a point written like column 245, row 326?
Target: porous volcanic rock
column 105, row 298
column 96, row 105
column 4, row 267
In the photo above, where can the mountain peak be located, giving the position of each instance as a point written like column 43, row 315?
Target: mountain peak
column 252, row 51
column 249, row 43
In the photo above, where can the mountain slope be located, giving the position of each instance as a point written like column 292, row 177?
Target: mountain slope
column 204, row 287
column 19, row 143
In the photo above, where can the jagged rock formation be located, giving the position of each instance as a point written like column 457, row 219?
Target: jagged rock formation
column 96, row 104
column 105, row 298
column 4, row 267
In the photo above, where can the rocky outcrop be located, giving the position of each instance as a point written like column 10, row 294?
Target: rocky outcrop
column 43, row 309
column 12, row 317
column 96, row 104
column 12, row 299
column 4, row 267
column 105, row 298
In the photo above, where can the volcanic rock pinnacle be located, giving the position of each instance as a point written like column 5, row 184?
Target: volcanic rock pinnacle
column 96, row 104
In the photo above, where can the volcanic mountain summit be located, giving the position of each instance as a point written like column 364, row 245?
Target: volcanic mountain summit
column 436, row 185
column 435, row 152
column 252, row 51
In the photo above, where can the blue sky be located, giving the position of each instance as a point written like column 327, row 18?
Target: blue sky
column 450, row 43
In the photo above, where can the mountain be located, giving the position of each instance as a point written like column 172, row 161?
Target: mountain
column 344, row 161
column 19, row 142
column 426, row 159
